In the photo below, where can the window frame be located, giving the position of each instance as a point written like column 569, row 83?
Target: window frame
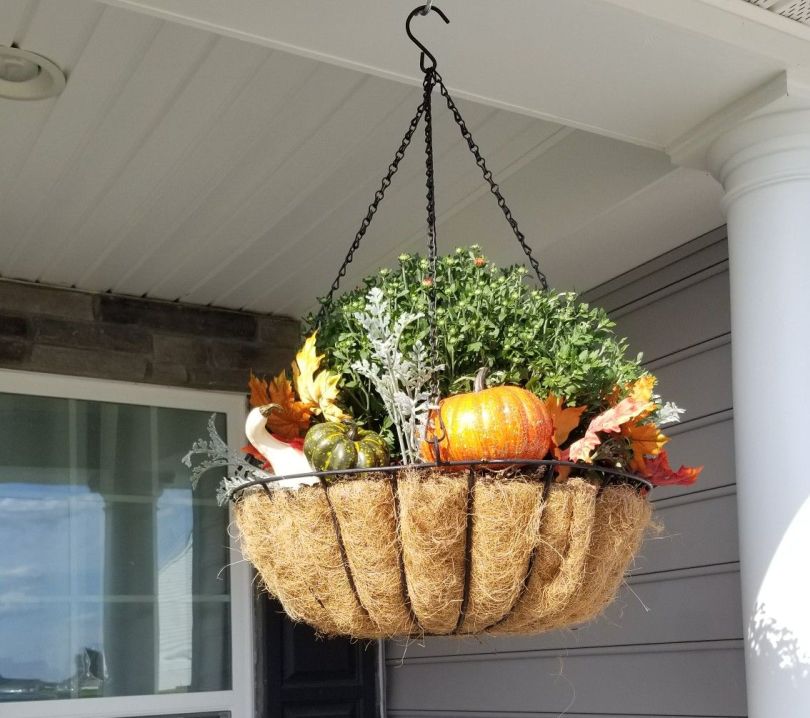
column 239, row 699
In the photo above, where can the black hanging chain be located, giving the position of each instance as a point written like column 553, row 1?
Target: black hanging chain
column 487, row 173
column 432, row 79
column 433, row 247
column 379, row 195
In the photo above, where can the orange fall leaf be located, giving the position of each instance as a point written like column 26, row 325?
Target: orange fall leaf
column 563, row 472
column 645, row 440
column 292, row 417
column 259, row 391
column 563, row 420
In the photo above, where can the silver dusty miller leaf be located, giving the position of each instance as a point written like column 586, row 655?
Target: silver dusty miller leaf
column 215, row 453
column 401, row 380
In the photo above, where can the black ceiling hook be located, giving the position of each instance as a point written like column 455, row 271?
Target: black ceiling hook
column 425, row 52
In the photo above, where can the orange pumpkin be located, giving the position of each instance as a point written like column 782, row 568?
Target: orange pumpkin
column 503, row 422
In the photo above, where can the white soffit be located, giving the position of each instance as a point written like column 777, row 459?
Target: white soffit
column 619, row 71
column 798, row 10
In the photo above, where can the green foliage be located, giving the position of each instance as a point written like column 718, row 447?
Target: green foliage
column 487, row 316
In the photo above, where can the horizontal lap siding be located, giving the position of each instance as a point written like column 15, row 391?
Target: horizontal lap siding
column 671, row 644
column 633, row 619
column 616, row 681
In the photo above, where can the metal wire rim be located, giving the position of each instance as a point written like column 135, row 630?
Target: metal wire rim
column 610, row 475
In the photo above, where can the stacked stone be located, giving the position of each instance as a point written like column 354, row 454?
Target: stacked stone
column 107, row 336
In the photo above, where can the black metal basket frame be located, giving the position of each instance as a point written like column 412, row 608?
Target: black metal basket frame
column 543, row 472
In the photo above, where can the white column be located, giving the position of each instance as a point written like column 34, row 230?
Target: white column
column 764, row 166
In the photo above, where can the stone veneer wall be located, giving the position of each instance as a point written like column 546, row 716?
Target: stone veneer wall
column 107, row 336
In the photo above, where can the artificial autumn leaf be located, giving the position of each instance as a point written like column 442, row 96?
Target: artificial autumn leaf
column 281, row 392
column 608, row 421
column 259, row 391
column 642, row 388
column 645, row 440
column 563, row 472
column 327, row 392
column 564, row 421
column 320, row 392
column 290, row 417
column 660, row 473
column 304, row 367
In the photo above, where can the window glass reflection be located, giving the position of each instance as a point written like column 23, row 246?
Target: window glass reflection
column 113, row 577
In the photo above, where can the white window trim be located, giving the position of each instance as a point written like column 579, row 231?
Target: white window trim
column 238, row 700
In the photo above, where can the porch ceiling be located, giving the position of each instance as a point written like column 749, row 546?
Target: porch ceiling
column 184, row 163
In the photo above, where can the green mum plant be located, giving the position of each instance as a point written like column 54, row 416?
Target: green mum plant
column 375, row 343
column 549, row 342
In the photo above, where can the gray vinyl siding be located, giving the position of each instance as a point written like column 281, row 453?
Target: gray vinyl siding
column 671, row 644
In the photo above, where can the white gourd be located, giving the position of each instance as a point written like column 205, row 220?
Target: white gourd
column 285, row 459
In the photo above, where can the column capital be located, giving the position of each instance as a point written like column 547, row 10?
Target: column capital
column 771, row 111
column 762, row 150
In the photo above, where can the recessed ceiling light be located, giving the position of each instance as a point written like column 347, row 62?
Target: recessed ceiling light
column 25, row 75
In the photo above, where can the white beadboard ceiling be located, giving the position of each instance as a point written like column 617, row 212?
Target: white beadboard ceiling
column 186, row 165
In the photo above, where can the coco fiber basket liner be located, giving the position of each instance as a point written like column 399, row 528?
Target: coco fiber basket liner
column 442, row 552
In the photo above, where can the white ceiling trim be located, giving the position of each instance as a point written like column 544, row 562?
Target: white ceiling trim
column 211, row 286
column 503, row 174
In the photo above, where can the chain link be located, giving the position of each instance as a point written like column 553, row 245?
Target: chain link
column 379, row 195
column 493, row 186
column 433, row 248
column 431, row 80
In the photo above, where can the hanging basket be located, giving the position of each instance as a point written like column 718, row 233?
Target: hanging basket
column 442, row 548
column 429, row 550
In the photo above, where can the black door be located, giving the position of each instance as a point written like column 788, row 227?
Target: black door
column 309, row 677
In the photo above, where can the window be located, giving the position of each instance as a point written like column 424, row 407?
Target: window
column 118, row 584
